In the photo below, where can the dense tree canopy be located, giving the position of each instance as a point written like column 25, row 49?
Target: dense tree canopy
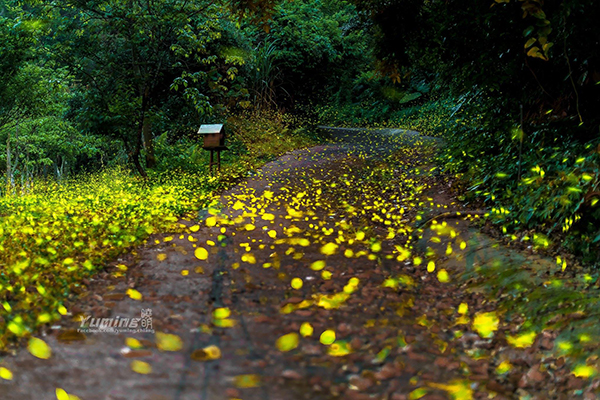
column 16, row 41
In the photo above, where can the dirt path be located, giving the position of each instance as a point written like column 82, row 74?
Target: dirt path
column 301, row 283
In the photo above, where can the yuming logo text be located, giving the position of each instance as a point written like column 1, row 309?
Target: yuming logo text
column 117, row 324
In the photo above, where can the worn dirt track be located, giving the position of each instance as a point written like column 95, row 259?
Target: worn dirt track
column 398, row 340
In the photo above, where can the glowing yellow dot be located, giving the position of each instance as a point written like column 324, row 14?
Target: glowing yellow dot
column 431, row 266
column 201, row 253
column 327, row 337
column 326, row 275
column 297, row 283
column 318, row 265
column 443, row 276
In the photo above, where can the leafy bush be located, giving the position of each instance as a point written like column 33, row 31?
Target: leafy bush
column 533, row 178
column 251, row 139
column 50, row 146
column 431, row 118
column 267, row 135
column 58, row 234
column 182, row 153
column 310, row 49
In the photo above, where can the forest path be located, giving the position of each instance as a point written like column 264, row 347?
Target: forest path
column 303, row 282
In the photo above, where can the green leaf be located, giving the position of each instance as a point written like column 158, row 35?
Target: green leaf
column 528, row 31
column 530, row 43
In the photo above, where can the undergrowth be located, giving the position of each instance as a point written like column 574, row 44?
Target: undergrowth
column 541, row 184
column 53, row 234
column 428, row 118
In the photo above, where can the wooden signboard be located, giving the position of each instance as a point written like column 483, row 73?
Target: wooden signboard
column 214, row 140
column 214, row 135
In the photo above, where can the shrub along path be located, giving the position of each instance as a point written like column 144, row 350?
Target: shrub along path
column 305, row 282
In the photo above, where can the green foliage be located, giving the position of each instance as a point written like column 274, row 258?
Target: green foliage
column 264, row 75
column 70, row 229
column 180, row 154
column 269, row 135
column 533, row 178
column 58, row 234
column 252, row 139
column 46, row 146
column 313, row 47
column 18, row 98
column 139, row 71
column 431, row 118
column 139, row 64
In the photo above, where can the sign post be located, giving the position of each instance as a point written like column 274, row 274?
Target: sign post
column 214, row 141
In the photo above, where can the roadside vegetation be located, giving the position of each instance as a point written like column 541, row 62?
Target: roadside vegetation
column 512, row 87
column 101, row 102
column 55, row 234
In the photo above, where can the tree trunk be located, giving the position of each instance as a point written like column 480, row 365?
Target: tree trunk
column 135, row 157
column 28, row 169
column 148, row 142
column 8, row 164
column 27, row 173
column 14, row 166
column 56, row 169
